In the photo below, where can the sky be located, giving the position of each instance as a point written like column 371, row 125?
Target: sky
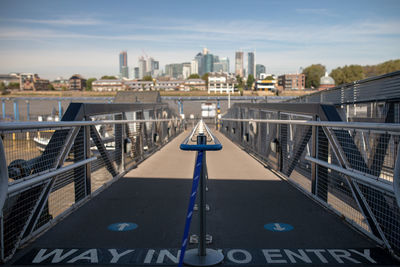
column 59, row 38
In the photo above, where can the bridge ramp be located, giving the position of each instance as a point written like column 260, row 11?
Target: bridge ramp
column 255, row 218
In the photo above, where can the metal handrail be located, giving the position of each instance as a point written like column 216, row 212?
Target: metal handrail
column 391, row 127
column 4, row 126
column 216, row 146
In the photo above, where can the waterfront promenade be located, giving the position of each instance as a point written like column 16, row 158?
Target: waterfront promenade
column 139, row 219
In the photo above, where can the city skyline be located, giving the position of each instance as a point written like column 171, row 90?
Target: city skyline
column 54, row 39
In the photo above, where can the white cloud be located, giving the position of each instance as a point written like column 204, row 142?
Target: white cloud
column 280, row 48
column 62, row 21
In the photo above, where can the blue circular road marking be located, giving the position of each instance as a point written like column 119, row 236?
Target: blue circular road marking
column 122, row 227
column 278, row 227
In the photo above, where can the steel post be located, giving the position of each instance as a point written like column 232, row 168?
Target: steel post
column 202, row 140
column 16, row 110
column 3, row 107
column 27, row 110
column 88, row 183
column 59, row 110
column 314, row 141
column 203, row 256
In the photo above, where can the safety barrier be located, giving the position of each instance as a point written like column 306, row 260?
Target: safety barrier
column 350, row 167
column 50, row 168
column 197, row 141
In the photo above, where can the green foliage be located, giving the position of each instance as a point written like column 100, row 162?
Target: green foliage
column 269, row 78
column 194, row 76
column 383, row 68
column 250, row 81
column 347, row 74
column 205, row 77
column 2, row 87
column 240, row 82
column 13, row 86
column 313, row 75
column 148, row 78
column 108, row 77
column 89, row 84
column 64, row 88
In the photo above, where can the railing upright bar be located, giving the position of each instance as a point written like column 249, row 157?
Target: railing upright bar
column 202, row 140
column 201, row 256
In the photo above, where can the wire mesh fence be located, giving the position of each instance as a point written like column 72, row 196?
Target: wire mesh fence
column 347, row 168
column 51, row 168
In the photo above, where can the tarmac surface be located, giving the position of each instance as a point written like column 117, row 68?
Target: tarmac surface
column 255, row 218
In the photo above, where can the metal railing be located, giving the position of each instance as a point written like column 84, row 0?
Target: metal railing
column 350, row 167
column 50, row 168
column 379, row 88
column 197, row 141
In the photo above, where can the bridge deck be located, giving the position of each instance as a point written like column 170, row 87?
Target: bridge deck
column 243, row 196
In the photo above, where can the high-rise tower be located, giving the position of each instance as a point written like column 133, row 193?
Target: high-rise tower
column 251, row 66
column 239, row 64
column 123, row 64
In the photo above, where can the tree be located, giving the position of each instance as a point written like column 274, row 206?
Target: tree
column 383, row 68
column 148, row 78
column 194, row 76
column 108, row 77
column 205, row 77
column 240, row 82
column 89, row 84
column 270, row 77
column 347, row 74
column 313, row 75
column 13, row 86
column 2, row 88
column 250, row 81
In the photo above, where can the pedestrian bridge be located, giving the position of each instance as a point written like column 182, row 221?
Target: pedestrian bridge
column 292, row 185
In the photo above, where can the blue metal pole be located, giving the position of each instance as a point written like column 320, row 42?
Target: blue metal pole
column 27, row 110
column 181, row 106
column 59, row 109
column 16, row 110
column 3, row 107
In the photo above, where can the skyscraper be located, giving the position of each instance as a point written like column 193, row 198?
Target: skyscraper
column 194, row 67
column 136, row 73
column 174, row 70
column 149, row 66
column 251, row 66
column 225, row 64
column 123, row 64
column 208, row 63
column 259, row 69
column 199, row 59
column 186, row 70
column 142, row 67
column 239, row 64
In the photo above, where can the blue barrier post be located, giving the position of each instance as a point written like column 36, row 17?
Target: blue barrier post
column 16, row 110
column 3, row 107
column 27, row 110
column 59, row 110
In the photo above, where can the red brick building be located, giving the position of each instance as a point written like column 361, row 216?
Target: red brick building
column 76, row 82
column 292, row 81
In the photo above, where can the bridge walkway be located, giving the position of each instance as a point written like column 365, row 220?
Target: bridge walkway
column 245, row 200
